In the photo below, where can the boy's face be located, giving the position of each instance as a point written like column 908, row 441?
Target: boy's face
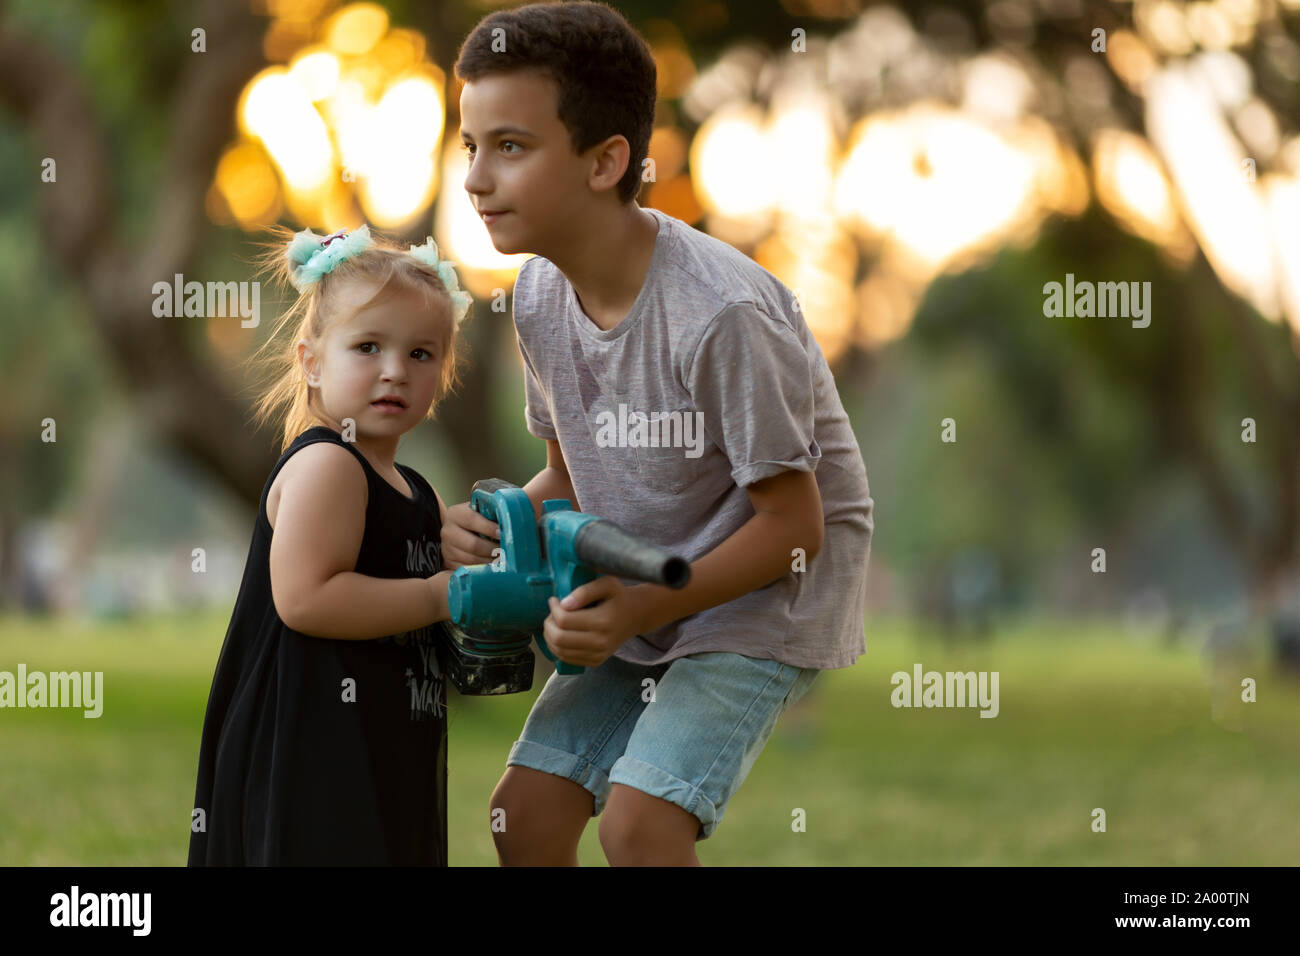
column 521, row 160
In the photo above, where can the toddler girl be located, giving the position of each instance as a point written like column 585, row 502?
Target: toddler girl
column 325, row 738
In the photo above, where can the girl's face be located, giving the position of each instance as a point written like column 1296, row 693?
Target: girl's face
column 391, row 348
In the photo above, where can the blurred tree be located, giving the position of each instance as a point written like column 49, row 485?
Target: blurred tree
column 113, row 251
column 1206, row 362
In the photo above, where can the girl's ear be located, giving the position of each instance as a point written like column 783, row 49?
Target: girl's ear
column 308, row 362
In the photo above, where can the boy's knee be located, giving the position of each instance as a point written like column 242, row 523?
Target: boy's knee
column 627, row 835
column 618, row 835
column 513, row 832
column 533, row 815
column 633, row 842
column 637, row 829
column 509, row 808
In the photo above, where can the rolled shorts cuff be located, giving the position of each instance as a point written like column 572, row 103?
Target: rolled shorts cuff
column 535, row 756
column 648, row 778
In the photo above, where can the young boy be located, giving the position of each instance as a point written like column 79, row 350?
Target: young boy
column 681, row 396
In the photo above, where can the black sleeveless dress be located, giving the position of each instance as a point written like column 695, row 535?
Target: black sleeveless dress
column 318, row 751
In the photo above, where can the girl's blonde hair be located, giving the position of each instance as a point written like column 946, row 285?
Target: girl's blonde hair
column 286, row 400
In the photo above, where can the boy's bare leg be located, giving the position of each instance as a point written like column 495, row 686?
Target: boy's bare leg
column 544, row 818
column 637, row 829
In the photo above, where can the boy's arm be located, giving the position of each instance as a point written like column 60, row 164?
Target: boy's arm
column 314, row 548
column 788, row 515
column 552, row 481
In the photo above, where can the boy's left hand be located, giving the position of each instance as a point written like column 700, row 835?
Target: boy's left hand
column 587, row 636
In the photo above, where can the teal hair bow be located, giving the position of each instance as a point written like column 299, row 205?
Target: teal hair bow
column 460, row 299
column 315, row 256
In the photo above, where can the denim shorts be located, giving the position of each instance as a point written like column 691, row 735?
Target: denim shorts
column 692, row 745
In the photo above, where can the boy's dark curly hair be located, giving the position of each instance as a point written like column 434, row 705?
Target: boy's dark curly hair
column 604, row 69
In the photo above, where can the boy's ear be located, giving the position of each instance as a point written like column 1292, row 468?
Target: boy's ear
column 610, row 159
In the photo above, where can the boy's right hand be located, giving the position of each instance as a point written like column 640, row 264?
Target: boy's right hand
column 461, row 544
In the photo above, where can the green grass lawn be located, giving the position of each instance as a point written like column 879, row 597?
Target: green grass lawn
column 1087, row 719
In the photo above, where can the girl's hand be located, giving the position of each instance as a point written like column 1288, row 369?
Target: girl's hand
column 461, row 544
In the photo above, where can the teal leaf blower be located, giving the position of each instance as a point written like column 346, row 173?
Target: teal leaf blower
column 498, row 609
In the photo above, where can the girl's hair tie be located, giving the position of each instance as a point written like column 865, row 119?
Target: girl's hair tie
column 312, row 256
column 460, row 299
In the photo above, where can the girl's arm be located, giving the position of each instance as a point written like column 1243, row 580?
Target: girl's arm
column 317, row 537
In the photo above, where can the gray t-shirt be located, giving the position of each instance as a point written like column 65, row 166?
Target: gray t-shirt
column 710, row 383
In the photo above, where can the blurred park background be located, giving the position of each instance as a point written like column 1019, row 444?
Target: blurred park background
column 917, row 173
